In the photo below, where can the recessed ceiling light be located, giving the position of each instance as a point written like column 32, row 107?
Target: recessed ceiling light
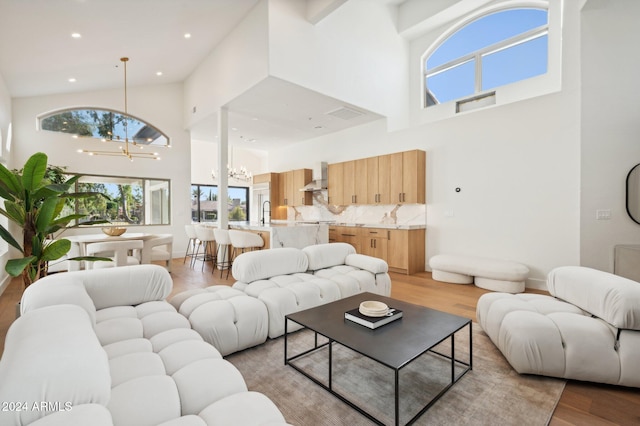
column 159, row 73
column 234, row 128
column 76, row 35
column 72, row 80
column 187, row 35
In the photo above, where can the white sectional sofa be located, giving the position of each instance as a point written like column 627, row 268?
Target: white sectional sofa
column 284, row 280
column 103, row 347
column 588, row 329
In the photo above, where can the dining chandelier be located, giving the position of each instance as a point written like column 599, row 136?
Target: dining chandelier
column 241, row 174
column 124, row 150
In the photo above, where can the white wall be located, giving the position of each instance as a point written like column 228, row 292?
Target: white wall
column 158, row 105
column 518, row 167
column 5, row 124
column 236, row 64
column 360, row 61
column 610, row 126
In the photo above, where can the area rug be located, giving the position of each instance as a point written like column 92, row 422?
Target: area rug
column 492, row 393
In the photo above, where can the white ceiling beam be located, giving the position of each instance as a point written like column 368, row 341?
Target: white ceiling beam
column 416, row 17
column 317, row 10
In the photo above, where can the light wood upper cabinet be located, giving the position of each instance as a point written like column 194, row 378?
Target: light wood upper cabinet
column 354, row 183
column 290, row 183
column 414, row 165
column 373, row 180
column 335, row 185
column 301, row 177
column 386, row 179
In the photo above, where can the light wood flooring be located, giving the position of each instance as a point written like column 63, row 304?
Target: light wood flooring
column 581, row 403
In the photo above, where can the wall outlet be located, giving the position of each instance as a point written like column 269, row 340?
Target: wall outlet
column 603, row 214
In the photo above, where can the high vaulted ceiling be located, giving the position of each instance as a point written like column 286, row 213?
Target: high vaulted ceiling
column 39, row 56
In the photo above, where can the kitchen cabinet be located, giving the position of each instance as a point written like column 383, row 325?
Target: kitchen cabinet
column 413, row 177
column 335, row 184
column 402, row 249
column 290, row 184
column 345, row 234
column 273, row 182
column 374, row 242
column 301, row 177
column 406, row 250
column 390, row 179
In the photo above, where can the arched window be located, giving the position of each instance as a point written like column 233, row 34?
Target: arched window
column 103, row 124
column 493, row 50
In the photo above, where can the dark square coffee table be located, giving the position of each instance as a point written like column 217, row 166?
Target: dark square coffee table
column 393, row 345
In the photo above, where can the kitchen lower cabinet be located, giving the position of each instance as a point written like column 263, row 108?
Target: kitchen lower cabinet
column 402, row 249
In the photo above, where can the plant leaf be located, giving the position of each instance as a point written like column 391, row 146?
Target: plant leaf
column 46, row 214
column 14, row 212
column 10, row 181
column 34, row 171
column 15, row 267
column 6, row 235
column 56, row 249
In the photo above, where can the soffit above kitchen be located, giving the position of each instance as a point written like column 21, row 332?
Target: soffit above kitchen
column 275, row 113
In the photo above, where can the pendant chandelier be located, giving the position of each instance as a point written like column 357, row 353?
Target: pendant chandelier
column 241, row 174
column 124, row 150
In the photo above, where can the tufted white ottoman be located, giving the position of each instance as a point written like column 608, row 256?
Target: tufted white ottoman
column 491, row 274
column 227, row 318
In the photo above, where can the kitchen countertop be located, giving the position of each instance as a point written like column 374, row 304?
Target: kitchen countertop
column 257, row 226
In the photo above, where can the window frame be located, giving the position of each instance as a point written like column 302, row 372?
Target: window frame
column 112, row 138
column 146, row 181
column 198, row 209
column 540, row 31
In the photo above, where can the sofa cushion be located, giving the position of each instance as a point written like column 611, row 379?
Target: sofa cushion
column 31, row 375
column 327, row 255
column 261, row 264
column 613, row 298
column 71, row 291
column 368, row 263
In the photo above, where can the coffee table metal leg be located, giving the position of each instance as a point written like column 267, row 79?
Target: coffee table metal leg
column 397, row 397
column 330, row 363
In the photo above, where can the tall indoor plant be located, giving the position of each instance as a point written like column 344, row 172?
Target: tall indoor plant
column 35, row 204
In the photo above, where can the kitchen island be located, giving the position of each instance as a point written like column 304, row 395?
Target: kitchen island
column 287, row 234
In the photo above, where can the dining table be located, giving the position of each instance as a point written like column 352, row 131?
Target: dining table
column 79, row 243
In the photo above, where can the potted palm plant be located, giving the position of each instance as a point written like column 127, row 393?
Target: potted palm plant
column 35, row 203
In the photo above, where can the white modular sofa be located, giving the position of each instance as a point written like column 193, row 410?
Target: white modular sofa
column 276, row 282
column 588, row 329
column 102, row 347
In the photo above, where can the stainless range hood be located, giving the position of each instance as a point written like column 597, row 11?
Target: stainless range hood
column 319, row 181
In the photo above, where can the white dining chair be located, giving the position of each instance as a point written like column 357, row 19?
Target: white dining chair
column 118, row 251
column 156, row 249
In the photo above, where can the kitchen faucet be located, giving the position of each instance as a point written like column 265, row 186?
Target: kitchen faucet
column 263, row 211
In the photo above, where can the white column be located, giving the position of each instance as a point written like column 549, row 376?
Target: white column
column 223, row 159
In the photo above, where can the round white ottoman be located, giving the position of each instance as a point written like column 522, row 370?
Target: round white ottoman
column 491, row 274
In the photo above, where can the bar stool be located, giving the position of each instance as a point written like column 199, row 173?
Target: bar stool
column 223, row 253
column 191, row 245
column 244, row 241
column 207, row 239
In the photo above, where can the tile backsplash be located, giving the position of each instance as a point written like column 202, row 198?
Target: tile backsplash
column 387, row 214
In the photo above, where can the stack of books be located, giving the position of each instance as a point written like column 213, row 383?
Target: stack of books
column 356, row 316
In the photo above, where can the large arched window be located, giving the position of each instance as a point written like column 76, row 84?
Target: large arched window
column 493, row 50
column 103, row 124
